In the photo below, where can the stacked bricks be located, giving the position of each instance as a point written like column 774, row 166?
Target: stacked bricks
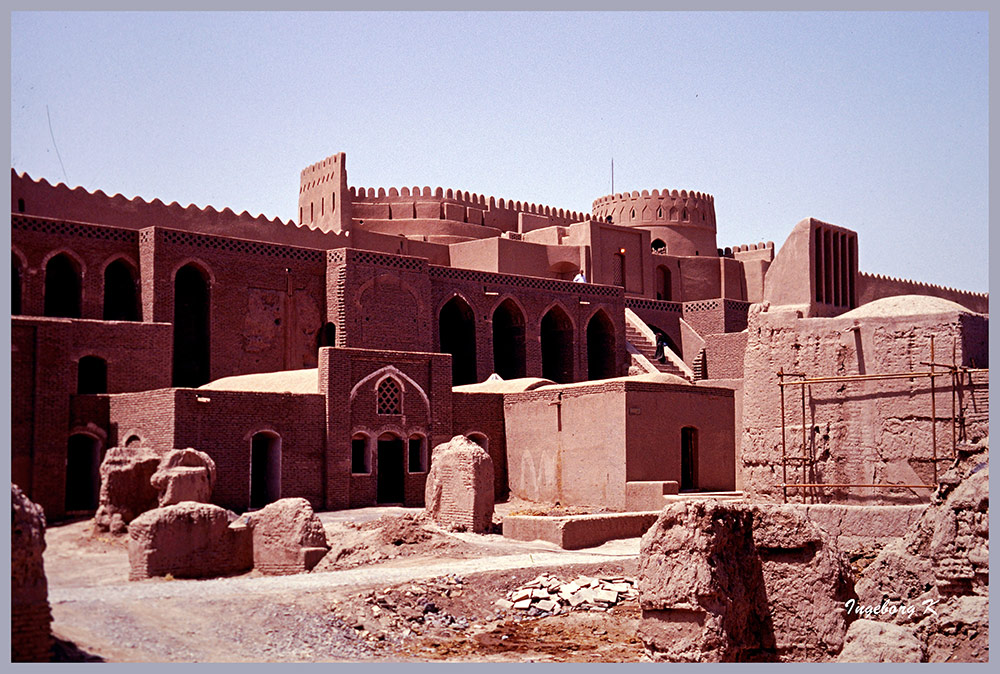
column 459, row 492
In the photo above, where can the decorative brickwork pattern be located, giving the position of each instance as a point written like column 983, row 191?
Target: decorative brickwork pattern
column 551, row 285
column 653, row 305
column 77, row 229
column 177, row 237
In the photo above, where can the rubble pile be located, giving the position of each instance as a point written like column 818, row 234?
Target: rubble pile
column 547, row 595
column 393, row 614
column 934, row 582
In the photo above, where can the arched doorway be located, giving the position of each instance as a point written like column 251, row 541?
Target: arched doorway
column 62, row 287
column 508, row 341
column 557, row 346
column 457, row 334
column 689, row 458
column 600, row 347
column 121, row 297
column 265, row 469
column 389, row 466
column 92, row 375
column 192, row 332
column 83, row 477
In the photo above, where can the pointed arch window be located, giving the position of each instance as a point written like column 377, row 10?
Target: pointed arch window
column 390, row 397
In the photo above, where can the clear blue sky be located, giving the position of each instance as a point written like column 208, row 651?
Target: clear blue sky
column 874, row 121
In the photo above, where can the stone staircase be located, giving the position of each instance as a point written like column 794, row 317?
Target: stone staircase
column 647, row 348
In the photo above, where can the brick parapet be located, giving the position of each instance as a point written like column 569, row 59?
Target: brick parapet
column 876, row 286
column 58, row 201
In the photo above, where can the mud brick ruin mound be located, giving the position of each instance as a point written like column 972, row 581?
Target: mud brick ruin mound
column 126, row 491
column 288, row 537
column 732, row 582
column 940, row 569
column 184, row 475
column 188, row 540
column 30, row 616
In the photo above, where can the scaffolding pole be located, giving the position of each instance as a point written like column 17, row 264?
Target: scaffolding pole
column 955, row 371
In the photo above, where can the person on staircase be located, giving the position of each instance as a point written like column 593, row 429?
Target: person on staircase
column 661, row 344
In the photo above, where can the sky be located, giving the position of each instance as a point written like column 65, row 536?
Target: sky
column 877, row 122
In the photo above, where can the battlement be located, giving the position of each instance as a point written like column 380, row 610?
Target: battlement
column 463, row 198
column 40, row 198
column 745, row 247
column 321, row 172
column 922, row 285
column 663, row 208
column 79, row 195
column 673, row 194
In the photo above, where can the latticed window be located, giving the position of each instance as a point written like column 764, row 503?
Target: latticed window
column 618, row 270
column 390, row 397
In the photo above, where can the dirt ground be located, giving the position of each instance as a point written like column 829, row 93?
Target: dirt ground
column 394, row 587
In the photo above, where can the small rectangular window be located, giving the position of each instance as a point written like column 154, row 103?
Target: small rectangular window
column 359, row 455
column 416, row 455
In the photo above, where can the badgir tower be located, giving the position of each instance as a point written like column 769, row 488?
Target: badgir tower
column 606, row 358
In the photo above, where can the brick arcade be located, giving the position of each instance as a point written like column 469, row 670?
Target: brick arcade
column 325, row 358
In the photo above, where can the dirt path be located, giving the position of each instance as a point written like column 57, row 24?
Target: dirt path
column 327, row 616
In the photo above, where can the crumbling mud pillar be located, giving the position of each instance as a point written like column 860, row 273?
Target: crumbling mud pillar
column 30, row 615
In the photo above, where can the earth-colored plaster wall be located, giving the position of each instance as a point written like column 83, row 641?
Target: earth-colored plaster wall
column 653, row 422
column 856, row 432
column 567, row 446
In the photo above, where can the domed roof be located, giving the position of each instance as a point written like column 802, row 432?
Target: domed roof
column 906, row 305
column 287, row 381
column 497, row 385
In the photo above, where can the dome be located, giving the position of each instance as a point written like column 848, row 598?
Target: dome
column 906, row 305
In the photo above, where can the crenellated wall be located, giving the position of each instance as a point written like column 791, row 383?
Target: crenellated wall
column 323, row 201
column 40, row 198
column 684, row 221
column 423, row 212
column 875, row 286
column 437, row 215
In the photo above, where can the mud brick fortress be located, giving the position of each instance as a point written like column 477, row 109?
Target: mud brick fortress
column 325, row 358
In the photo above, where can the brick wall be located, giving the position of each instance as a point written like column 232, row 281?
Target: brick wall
column 223, row 423
column 724, row 355
column 483, row 413
column 349, row 380
column 45, row 353
column 266, row 300
column 484, row 292
column 91, row 247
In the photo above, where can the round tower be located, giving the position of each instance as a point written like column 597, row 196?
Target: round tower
column 680, row 223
